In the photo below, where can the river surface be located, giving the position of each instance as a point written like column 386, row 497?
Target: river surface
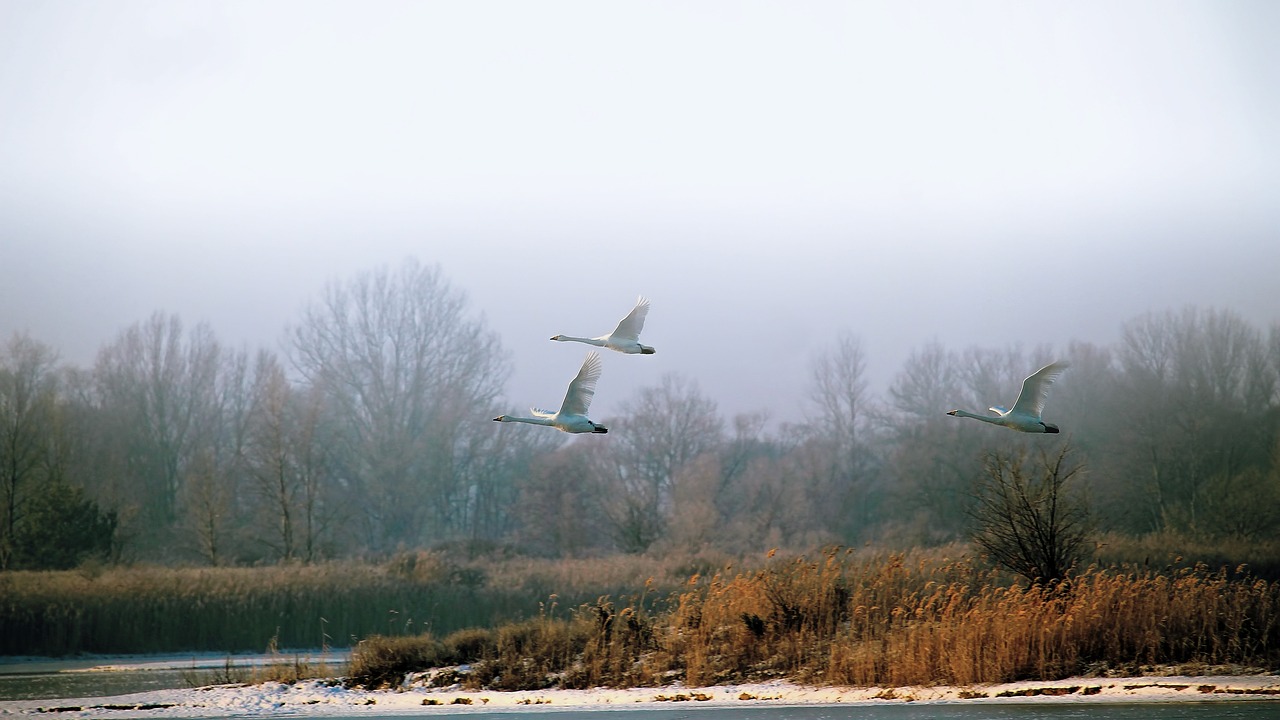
column 44, row 678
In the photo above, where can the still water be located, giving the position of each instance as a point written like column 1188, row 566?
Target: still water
column 44, row 679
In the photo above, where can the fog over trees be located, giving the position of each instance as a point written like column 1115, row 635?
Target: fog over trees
column 369, row 433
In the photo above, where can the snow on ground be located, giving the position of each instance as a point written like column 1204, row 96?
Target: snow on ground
column 321, row 698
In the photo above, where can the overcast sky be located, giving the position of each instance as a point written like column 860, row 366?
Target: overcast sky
column 769, row 174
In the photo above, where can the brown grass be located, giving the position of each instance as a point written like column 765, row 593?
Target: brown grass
column 847, row 618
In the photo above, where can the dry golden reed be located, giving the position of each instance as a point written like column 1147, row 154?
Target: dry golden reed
column 843, row 618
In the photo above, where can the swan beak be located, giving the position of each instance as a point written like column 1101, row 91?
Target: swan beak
column 953, row 412
column 600, row 429
column 499, row 418
column 555, row 337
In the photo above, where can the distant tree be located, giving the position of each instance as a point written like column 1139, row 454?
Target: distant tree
column 1243, row 507
column 209, row 510
column 158, row 387
column 214, row 506
column 404, row 372
column 838, row 438
column 28, row 397
column 272, row 458
column 1194, row 402
column 928, row 384
column 500, row 469
column 838, row 390
column 1026, row 518
column 64, row 529
column 930, row 460
column 662, row 429
column 556, row 505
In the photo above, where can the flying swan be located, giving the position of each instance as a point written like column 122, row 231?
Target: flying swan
column 625, row 338
column 572, row 416
column 1025, row 415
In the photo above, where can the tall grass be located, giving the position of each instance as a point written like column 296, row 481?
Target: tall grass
column 150, row 609
column 845, row 618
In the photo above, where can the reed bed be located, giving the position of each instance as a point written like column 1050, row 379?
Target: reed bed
column 846, row 618
column 862, row 618
column 152, row 609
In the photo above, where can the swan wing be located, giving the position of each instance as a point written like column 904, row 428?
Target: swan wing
column 539, row 412
column 578, row 399
column 633, row 323
column 1035, row 389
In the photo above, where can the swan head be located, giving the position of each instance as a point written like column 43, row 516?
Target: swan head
column 557, row 337
column 1050, row 427
column 953, row 412
column 500, row 418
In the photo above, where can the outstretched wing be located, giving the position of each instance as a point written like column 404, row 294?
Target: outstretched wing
column 1035, row 389
column 633, row 323
column 578, row 399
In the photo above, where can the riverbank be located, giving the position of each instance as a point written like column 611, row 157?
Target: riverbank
column 327, row 698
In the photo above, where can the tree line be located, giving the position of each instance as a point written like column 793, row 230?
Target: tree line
column 367, row 434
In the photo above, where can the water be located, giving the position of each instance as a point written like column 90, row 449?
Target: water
column 47, row 679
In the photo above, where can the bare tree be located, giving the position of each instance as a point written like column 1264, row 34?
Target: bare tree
column 28, row 396
column 927, row 385
column 839, row 432
column 406, row 369
column 838, row 390
column 1027, row 519
column 161, row 385
column 287, row 458
column 927, row 460
column 271, row 456
column 1195, row 398
column 209, row 509
column 557, row 501
column 662, row 430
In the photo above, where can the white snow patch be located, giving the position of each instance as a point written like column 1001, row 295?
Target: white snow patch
column 320, row 698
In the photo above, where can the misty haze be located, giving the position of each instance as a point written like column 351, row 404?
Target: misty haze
column 268, row 272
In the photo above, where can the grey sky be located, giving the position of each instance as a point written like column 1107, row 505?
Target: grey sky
column 769, row 174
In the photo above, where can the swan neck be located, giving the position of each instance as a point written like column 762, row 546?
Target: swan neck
column 983, row 418
column 531, row 421
column 590, row 341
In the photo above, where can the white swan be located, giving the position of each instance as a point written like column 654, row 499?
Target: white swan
column 1025, row 415
column 572, row 415
column 625, row 338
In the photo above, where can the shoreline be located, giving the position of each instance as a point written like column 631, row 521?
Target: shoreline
column 321, row 698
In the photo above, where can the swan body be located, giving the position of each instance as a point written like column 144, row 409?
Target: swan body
column 1025, row 415
column 572, row 415
column 625, row 338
